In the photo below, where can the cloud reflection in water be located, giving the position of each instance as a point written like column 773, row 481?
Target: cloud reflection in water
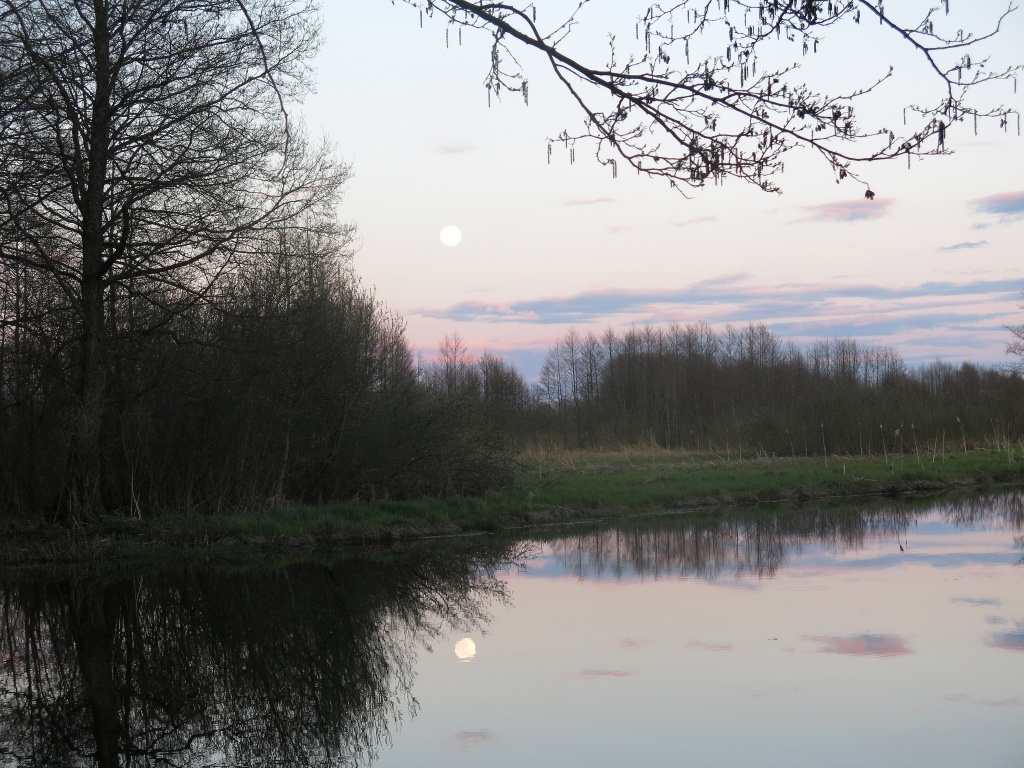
column 590, row 674
column 466, row 739
column 863, row 645
column 1009, row 641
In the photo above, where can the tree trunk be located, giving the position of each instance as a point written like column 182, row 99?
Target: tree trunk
column 84, row 501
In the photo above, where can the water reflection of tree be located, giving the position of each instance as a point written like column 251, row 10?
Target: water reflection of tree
column 308, row 665
column 760, row 543
column 982, row 510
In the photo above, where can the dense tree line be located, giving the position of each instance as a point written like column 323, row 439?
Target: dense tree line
column 746, row 390
column 290, row 381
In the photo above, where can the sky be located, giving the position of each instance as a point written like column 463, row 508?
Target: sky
column 932, row 266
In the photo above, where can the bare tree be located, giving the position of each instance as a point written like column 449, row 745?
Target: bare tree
column 692, row 387
column 714, row 88
column 1016, row 345
column 145, row 149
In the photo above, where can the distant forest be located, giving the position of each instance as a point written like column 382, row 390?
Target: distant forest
column 744, row 390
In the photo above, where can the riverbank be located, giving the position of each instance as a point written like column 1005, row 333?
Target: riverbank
column 550, row 489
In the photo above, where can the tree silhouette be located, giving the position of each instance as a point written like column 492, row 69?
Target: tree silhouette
column 146, row 149
column 1016, row 344
column 709, row 90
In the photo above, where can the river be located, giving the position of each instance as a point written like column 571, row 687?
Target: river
column 889, row 633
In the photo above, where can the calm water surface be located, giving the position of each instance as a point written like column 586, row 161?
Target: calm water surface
column 889, row 635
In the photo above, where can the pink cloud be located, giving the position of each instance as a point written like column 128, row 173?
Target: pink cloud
column 886, row 646
column 588, row 200
column 1009, row 703
column 631, row 644
column 691, row 222
column 616, row 229
column 847, row 210
column 700, row 645
column 1001, row 204
column 1002, row 703
column 455, row 147
column 478, row 346
column 590, row 674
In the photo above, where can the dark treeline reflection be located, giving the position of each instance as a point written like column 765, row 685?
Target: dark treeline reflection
column 760, row 543
column 309, row 665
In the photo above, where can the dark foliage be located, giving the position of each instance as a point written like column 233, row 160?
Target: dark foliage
column 291, row 381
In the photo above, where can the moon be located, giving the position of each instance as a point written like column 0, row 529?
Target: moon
column 465, row 649
column 451, row 235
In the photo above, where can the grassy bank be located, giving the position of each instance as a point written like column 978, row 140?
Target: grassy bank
column 550, row 489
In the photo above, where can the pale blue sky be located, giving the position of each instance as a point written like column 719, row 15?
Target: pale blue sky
column 932, row 266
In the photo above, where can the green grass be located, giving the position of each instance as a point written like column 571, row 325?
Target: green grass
column 549, row 489
column 664, row 479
